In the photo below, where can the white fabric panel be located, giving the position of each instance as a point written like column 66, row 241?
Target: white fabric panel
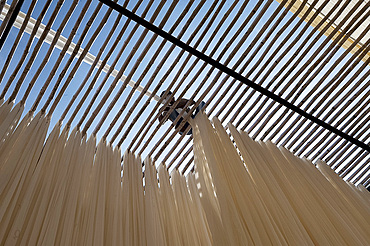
column 68, row 190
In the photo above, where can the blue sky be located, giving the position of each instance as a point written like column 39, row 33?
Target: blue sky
column 80, row 75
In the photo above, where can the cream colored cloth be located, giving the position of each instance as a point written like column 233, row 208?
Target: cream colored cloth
column 268, row 196
column 69, row 190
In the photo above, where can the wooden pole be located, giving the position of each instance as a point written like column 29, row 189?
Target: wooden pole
column 310, row 60
column 156, row 89
column 88, row 75
column 179, row 71
column 270, row 59
column 50, row 50
column 17, row 39
column 35, row 51
column 113, row 85
column 9, row 15
column 120, row 73
column 143, row 73
column 26, row 49
column 78, row 62
column 231, row 55
column 61, row 56
column 291, row 59
column 331, row 83
column 319, row 69
column 9, row 25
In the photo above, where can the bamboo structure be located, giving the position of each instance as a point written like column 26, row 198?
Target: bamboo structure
column 85, row 64
column 324, row 12
column 7, row 17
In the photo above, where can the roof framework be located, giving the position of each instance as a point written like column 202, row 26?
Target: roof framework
column 300, row 59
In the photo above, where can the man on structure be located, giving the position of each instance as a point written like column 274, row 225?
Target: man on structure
column 177, row 110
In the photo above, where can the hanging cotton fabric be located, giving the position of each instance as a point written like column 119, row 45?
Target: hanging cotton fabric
column 60, row 186
column 66, row 190
column 9, row 117
column 295, row 197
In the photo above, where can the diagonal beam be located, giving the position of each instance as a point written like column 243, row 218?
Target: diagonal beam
column 232, row 73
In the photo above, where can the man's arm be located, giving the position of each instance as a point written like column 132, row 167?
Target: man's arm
column 183, row 102
column 160, row 117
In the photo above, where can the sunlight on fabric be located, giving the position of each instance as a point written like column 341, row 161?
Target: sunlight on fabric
column 67, row 191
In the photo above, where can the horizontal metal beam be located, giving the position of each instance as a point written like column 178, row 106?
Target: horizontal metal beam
column 231, row 72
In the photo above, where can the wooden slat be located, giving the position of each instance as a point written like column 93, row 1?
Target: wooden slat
column 2, row 4
column 176, row 88
column 179, row 152
column 208, row 88
column 218, row 27
column 17, row 39
column 49, row 52
column 78, row 62
column 234, row 81
column 91, row 70
column 174, row 63
column 197, row 9
column 348, row 168
column 359, row 172
column 8, row 15
column 60, row 57
column 160, row 65
column 299, row 72
column 334, row 107
column 247, row 34
column 256, row 50
column 232, row 23
column 330, row 29
column 352, row 125
column 270, row 59
column 142, row 75
column 98, row 73
column 257, row 110
column 115, row 81
column 351, row 112
column 36, row 49
column 130, row 74
column 345, row 70
column 292, row 43
column 321, row 80
column 111, row 68
column 177, row 75
column 26, row 49
column 246, row 21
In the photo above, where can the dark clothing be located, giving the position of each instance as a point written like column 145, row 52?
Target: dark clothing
column 175, row 113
